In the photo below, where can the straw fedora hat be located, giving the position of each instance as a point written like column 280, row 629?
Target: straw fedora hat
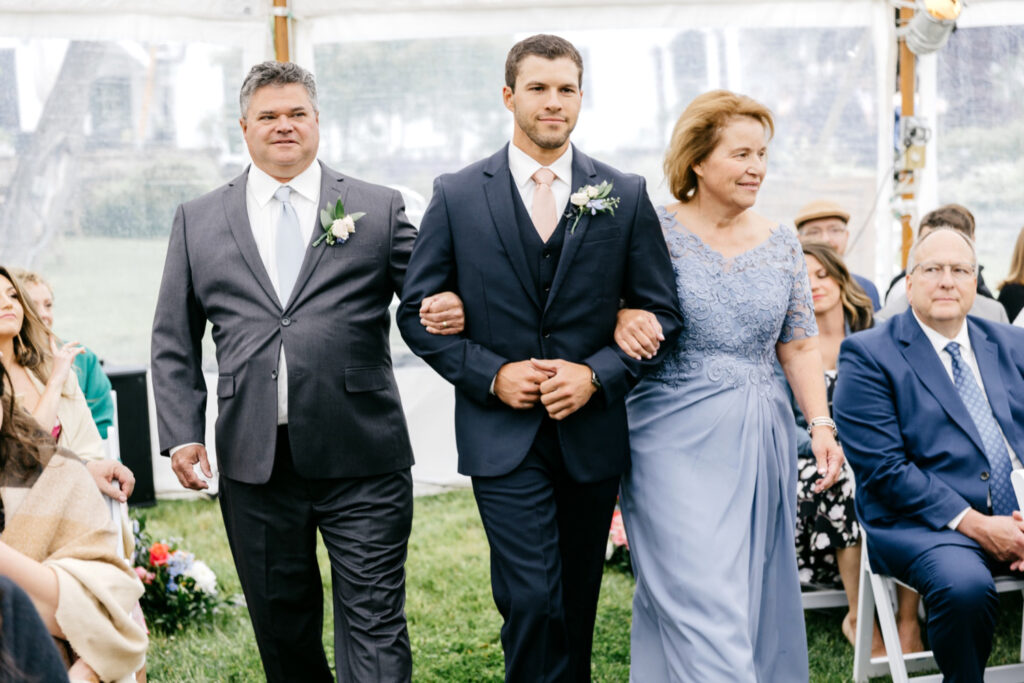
column 820, row 208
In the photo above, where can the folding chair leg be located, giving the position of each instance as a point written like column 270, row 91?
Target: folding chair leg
column 887, row 622
column 862, row 668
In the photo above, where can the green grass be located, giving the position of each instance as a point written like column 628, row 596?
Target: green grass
column 453, row 624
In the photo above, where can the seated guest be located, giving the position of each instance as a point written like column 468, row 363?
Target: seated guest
column 45, row 386
column 95, row 385
column 26, row 648
column 825, row 221
column 827, row 533
column 1011, row 290
column 956, row 216
column 59, row 546
column 929, row 406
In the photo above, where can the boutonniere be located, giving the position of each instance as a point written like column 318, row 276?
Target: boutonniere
column 592, row 199
column 337, row 225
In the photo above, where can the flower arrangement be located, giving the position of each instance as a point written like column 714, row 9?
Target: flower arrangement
column 617, row 550
column 180, row 589
column 336, row 224
column 592, row 199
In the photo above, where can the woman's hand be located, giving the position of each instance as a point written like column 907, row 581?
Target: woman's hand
column 63, row 359
column 113, row 479
column 829, row 456
column 638, row 333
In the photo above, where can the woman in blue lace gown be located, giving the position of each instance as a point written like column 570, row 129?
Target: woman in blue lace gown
column 709, row 503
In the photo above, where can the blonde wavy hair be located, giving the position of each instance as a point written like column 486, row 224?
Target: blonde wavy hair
column 32, row 343
column 698, row 131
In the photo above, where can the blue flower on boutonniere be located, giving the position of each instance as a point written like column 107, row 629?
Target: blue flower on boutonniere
column 336, row 224
column 592, row 199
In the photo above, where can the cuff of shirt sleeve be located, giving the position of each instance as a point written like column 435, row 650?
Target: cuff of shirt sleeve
column 959, row 518
column 184, row 445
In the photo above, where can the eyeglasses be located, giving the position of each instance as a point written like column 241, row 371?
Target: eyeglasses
column 933, row 272
column 818, row 233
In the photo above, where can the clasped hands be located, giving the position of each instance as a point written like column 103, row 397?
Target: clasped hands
column 1000, row 536
column 560, row 386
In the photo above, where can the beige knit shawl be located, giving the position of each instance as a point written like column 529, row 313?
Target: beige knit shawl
column 58, row 517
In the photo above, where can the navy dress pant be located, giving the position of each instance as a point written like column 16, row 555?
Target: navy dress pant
column 547, row 535
column 960, row 597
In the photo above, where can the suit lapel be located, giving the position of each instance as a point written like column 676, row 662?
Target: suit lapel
column 582, row 174
column 498, row 191
column 986, row 352
column 921, row 356
column 238, row 221
column 331, row 189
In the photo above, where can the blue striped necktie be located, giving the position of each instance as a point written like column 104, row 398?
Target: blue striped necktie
column 1004, row 501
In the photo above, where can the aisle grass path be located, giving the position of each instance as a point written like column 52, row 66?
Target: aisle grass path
column 453, row 625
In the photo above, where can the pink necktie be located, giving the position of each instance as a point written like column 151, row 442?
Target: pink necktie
column 545, row 218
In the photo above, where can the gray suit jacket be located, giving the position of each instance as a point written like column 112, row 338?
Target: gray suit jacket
column 345, row 418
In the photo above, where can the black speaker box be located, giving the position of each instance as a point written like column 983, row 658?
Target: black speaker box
column 133, row 429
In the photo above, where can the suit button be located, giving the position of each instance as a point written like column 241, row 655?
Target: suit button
column 548, row 288
column 286, row 321
column 547, row 253
column 273, row 374
column 547, row 333
column 984, row 476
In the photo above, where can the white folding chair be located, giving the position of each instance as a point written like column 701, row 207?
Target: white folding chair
column 118, row 510
column 822, row 598
column 877, row 596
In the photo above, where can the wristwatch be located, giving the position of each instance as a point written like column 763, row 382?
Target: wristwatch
column 594, row 380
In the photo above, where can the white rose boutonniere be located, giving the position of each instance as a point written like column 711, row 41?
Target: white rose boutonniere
column 337, row 225
column 592, row 199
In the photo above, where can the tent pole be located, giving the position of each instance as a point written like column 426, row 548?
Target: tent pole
column 281, row 20
column 906, row 175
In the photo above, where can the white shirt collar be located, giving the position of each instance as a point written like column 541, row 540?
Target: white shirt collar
column 263, row 186
column 939, row 340
column 523, row 166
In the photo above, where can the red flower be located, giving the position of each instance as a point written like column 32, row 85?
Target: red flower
column 618, row 530
column 158, row 554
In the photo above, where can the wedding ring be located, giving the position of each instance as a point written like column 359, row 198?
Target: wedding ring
column 444, row 324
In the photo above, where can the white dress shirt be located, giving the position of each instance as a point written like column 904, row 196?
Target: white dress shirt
column 523, row 166
column 939, row 341
column 264, row 213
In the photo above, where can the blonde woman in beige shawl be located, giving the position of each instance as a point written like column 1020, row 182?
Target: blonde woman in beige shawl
column 46, row 387
column 57, row 543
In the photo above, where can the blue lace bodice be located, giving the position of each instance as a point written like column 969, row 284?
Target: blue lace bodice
column 735, row 309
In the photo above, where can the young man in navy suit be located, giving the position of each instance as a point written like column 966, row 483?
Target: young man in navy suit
column 930, row 408
column 540, row 384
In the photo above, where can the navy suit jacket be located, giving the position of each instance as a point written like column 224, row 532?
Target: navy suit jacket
column 469, row 242
column 916, row 454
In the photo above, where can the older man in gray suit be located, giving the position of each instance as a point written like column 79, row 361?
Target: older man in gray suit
column 310, row 433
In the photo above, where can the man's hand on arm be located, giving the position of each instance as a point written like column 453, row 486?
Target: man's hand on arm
column 518, row 384
column 113, row 479
column 183, row 461
column 442, row 313
column 638, row 333
column 999, row 536
column 568, row 388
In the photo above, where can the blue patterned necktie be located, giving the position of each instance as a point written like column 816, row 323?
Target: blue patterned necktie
column 289, row 243
column 1003, row 499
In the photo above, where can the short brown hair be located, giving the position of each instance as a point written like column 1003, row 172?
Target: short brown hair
column 542, row 45
column 698, row 131
column 948, row 216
